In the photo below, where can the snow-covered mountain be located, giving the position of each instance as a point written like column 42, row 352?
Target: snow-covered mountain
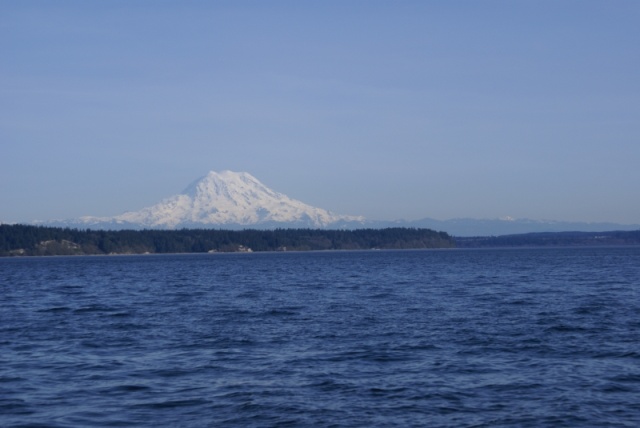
column 226, row 199
column 237, row 200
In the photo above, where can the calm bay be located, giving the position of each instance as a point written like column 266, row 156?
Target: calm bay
column 440, row 338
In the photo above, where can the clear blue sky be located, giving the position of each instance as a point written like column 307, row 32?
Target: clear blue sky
column 387, row 109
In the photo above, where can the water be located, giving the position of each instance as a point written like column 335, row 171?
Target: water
column 456, row 338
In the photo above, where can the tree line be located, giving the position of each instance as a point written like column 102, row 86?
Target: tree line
column 552, row 239
column 29, row 240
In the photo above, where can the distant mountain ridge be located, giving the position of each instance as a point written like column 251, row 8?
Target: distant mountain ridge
column 508, row 226
column 237, row 200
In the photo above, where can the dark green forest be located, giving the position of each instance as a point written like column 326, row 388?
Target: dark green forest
column 552, row 239
column 24, row 240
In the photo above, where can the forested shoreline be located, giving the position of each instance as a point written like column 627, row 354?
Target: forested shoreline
column 552, row 239
column 26, row 240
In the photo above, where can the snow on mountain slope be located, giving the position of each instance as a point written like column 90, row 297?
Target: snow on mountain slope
column 224, row 199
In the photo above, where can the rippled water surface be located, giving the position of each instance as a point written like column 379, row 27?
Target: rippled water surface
column 459, row 338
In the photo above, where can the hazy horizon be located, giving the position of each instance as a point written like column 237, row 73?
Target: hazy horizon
column 377, row 221
column 389, row 110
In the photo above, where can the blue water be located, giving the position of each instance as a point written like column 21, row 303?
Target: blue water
column 453, row 338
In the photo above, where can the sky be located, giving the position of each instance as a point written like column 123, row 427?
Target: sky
column 386, row 109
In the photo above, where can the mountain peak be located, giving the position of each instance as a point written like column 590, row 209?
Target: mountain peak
column 231, row 199
column 228, row 185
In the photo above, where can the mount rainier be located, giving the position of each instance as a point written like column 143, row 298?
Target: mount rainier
column 226, row 199
column 237, row 200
